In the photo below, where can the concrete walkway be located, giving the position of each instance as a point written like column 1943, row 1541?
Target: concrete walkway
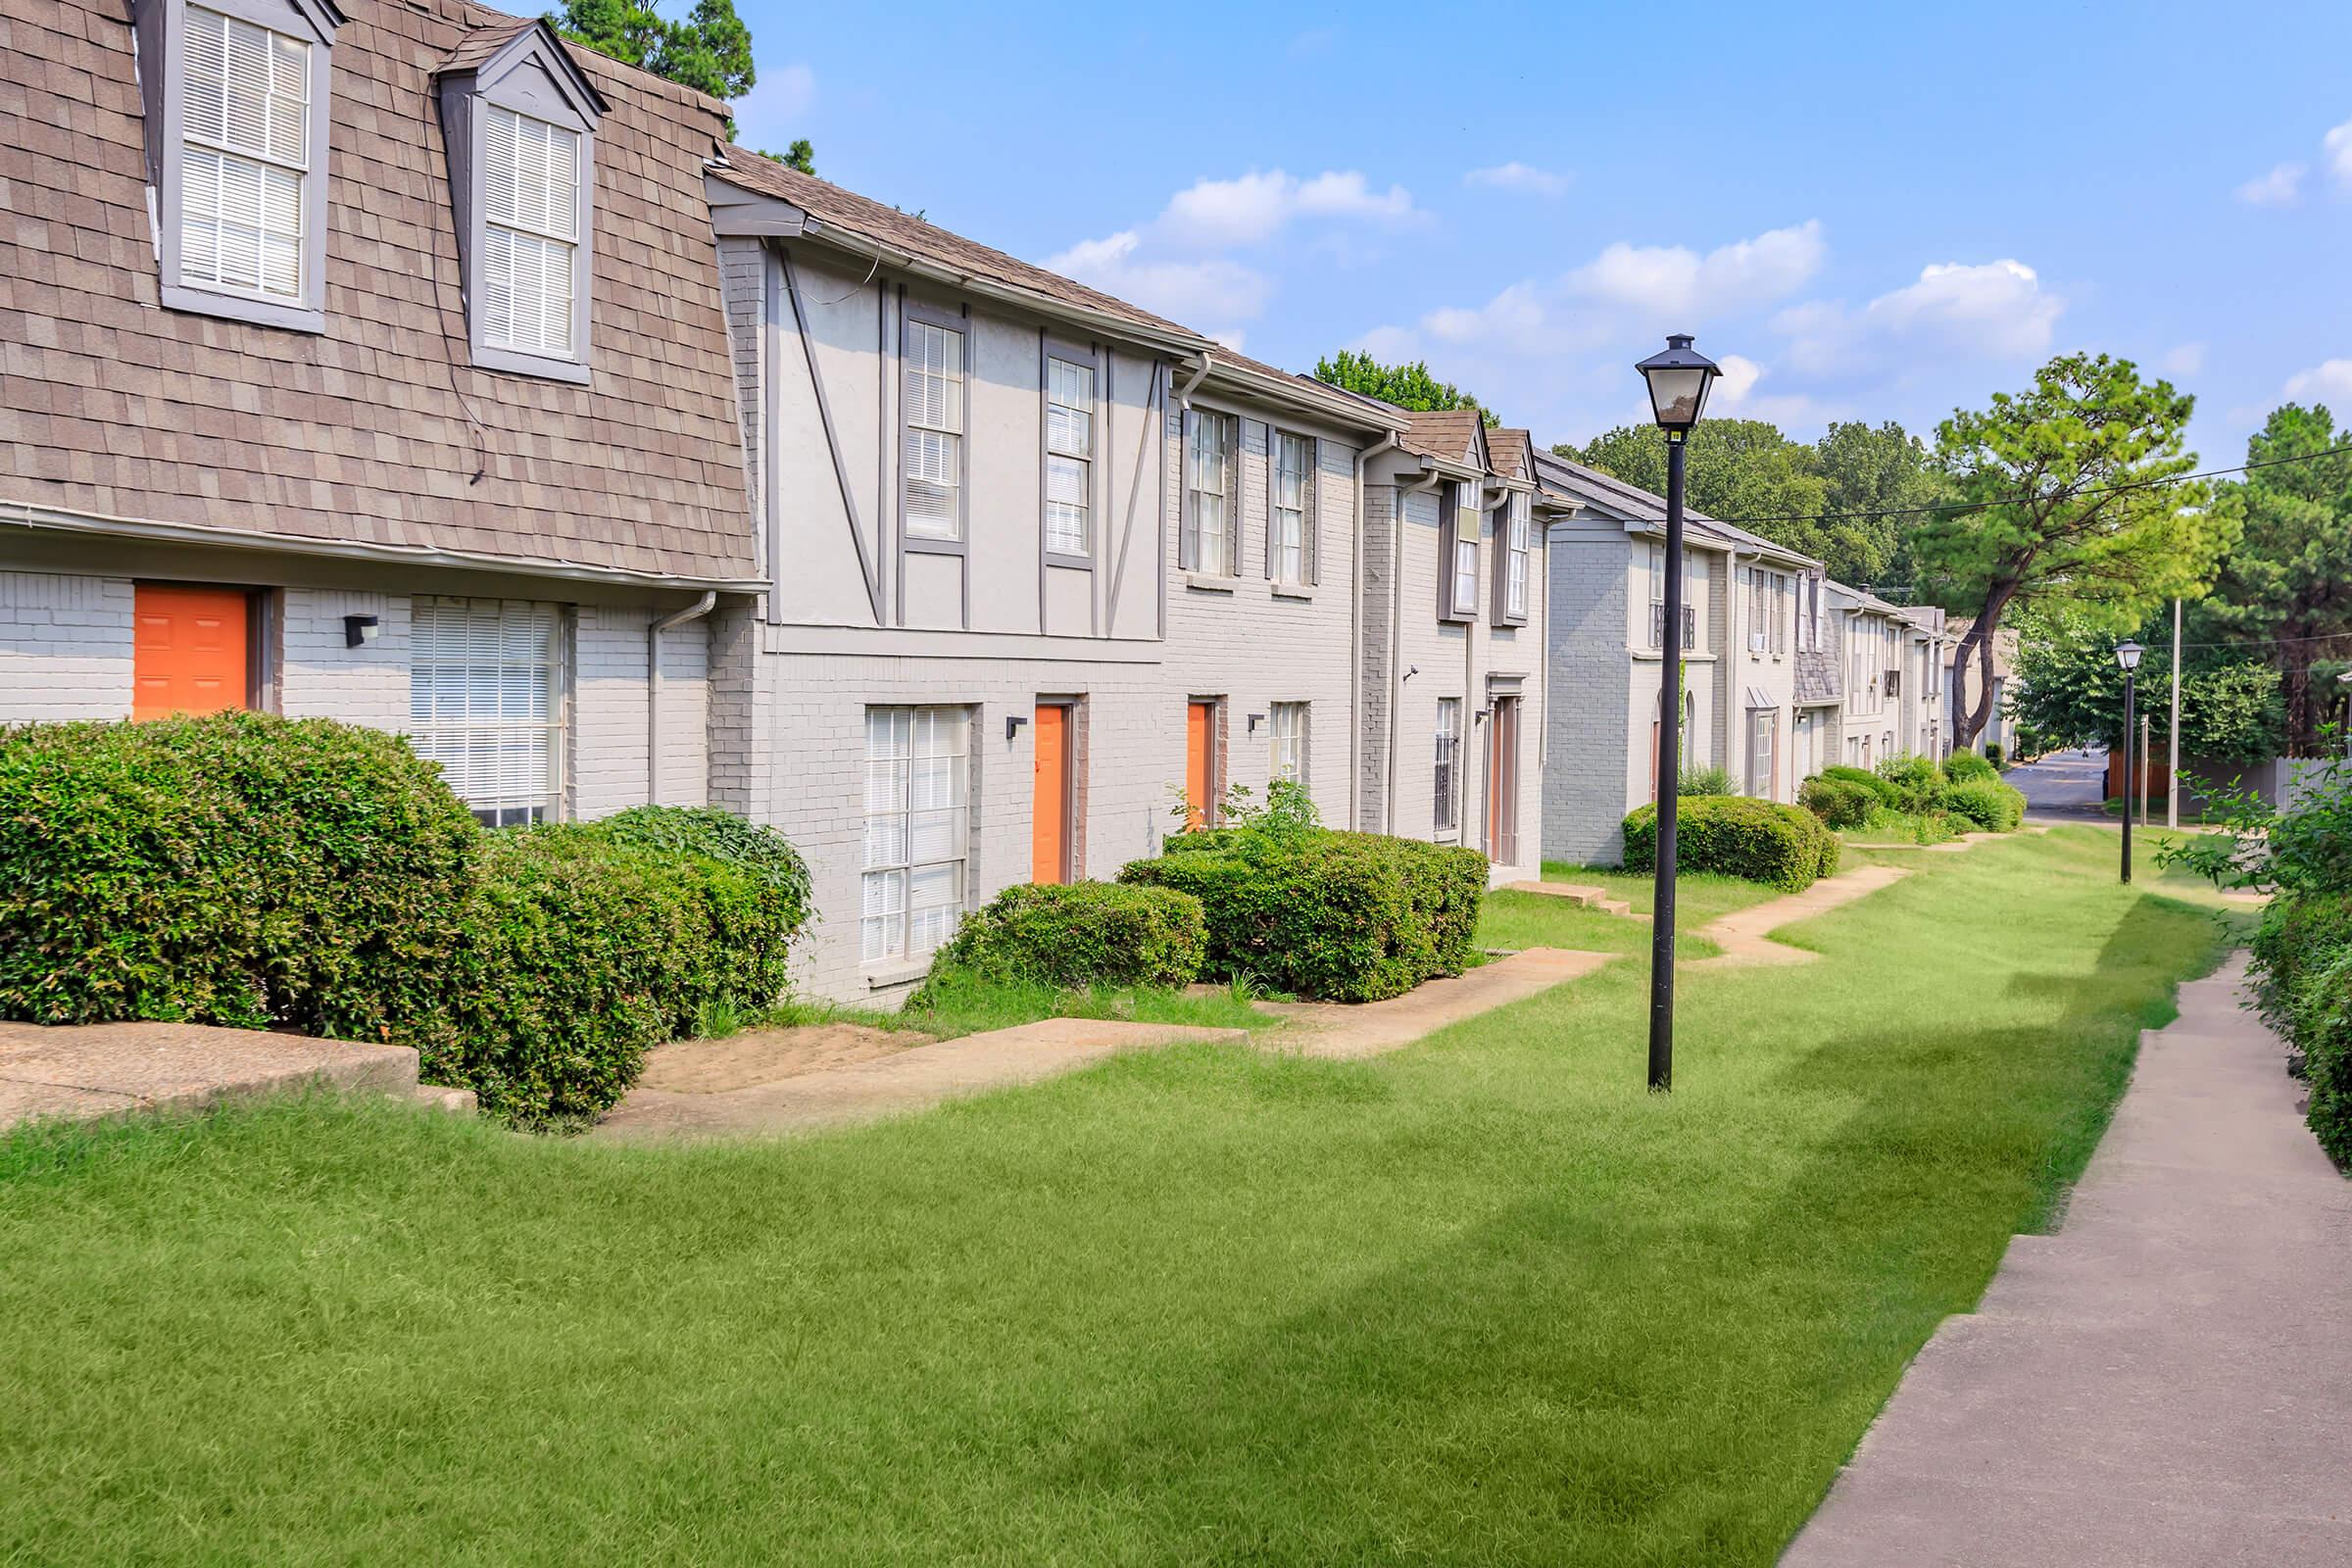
column 1744, row 935
column 76, row 1072
column 2166, row 1381
column 1345, row 1031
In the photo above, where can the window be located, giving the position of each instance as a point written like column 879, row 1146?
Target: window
column 1070, row 454
column 1657, row 601
column 1290, row 523
column 933, row 414
column 917, row 774
column 530, row 213
column 1781, row 615
column 1289, row 760
column 486, row 701
column 1517, row 546
column 237, row 94
column 521, row 124
column 1210, row 538
column 1448, row 782
column 1465, row 546
column 1763, row 732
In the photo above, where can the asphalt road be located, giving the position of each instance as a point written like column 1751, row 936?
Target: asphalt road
column 2065, row 784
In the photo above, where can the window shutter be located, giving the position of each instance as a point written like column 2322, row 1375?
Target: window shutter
column 1312, row 543
column 1448, row 515
column 1188, row 529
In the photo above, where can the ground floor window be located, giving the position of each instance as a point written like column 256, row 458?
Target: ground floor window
column 917, row 829
column 1763, row 745
column 1450, row 752
column 486, row 689
column 1289, row 758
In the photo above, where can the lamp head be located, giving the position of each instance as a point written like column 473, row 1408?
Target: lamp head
column 1679, row 377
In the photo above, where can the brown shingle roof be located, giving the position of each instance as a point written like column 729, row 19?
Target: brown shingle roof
column 377, row 431
column 1506, row 451
column 1442, row 433
column 874, row 220
column 482, row 42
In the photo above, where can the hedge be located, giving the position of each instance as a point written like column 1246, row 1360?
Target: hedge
column 1989, row 805
column 1885, row 793
column 1917, row 784
column 2321, row 1027
column 1342, row 916
column 1780, row 846
column 1083, row 934
column 1967, row 768
column 239, row 869
column 1837, row 801
column 754, row 914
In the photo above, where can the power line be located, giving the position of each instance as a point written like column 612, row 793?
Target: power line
column 2019, row 501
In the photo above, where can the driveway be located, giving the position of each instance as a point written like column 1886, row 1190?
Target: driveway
column 2065, row 785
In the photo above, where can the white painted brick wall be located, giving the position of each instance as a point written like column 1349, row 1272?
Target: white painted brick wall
column 320, row 677
column 65, row 647
column 609, row 696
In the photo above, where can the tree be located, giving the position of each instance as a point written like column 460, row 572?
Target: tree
column 801, row 155
column 2071, row 690
column 2072, row 507
column 2288, row 580
column 710, row 51
column 1409, row 386
column 1877, row 482
column 1739, row 470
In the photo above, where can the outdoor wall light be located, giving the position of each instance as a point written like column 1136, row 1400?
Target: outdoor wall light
column 1255, row 719
column 358, row 629
column 1014, row 723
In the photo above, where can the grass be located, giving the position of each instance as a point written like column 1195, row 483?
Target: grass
column 965, row 1006
column 1698, row 896
column 1483, row 1299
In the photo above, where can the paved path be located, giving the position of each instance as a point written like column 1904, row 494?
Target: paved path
column 1349, row 1030
column 1745, row 935
column 2065, row 786
column 81, row 1071
column 2166, row 1381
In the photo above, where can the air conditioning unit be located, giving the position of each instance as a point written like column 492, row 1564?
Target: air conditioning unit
column 1894, row 683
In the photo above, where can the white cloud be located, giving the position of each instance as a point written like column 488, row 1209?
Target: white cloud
column 2278, row 188
column 2338, row 145
column 2330, row 381
column 1996, row 310
column 1739, row 379
column 2186, row 359
column 1209, row 290
column 1232, row 338
column 1252, row 208
column 1673, row 281
column 1516, row 176
column 773, row 110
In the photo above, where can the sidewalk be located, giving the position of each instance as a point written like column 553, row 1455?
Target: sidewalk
column 2166, row 1381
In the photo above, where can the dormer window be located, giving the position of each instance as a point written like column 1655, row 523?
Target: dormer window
column 236, row 97
column 519, row 119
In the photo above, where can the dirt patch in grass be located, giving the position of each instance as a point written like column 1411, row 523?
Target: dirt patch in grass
column 763, row 1055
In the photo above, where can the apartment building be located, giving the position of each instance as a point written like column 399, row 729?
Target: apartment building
column 369, row 365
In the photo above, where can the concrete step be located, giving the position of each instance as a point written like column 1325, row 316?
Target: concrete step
column 1575, row 893
column 433, row 1096
column 81, row 1071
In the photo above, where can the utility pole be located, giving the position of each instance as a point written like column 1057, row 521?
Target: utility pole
column 2172, row 793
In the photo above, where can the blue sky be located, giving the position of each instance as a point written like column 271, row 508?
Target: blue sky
column 1863, row 211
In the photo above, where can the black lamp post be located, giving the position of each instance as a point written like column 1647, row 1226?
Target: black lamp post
column 2127, row 653
column 1679, row 380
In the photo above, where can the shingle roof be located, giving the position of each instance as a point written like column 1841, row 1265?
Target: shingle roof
column 870, row 219
column 377, row 431
column 485, row 41
column 1507, row 450
column 1442, row 433
column 1644, row 505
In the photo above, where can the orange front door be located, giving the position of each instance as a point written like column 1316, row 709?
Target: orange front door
column 188, row 652
column 1200, row 739
column 1050, row 807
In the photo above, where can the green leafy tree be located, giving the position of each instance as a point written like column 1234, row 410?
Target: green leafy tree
column 1738, row 470
column 709, row 51
column 2071, row 508
column 801, row 155
column 1877, row 482
column 2070, row 691
column 2287, row 581
column 1409, row 386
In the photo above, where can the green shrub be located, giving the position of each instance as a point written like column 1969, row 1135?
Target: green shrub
column 1917, row 782
column 1780, row 846
column 1967, row 768
column 1995, row 755
column 1988, row 805
column 754, row 889
column 1837, row 801
column 1878, row 787
column 1712, row 779
column 1085, row 934
column 2322, row 1028
column 2299, row 935
column 235, row 868
column 1344, row 916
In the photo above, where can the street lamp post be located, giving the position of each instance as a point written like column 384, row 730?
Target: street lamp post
column 1679, row 380
column 2127, row 653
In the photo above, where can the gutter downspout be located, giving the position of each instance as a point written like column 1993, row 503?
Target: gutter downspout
column 653, row 689
column 1184, row 393
column 1387, row 786
column 1355, row 635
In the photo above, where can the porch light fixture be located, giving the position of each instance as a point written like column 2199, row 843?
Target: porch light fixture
column 1014, row 723
column 1255, row 719
column 2127, row 658
column 358, row 629
column 1677, row 381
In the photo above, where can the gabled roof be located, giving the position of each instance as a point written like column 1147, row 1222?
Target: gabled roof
column 1506, row 453
column 854, row 218
column 1637, row 505
column 1864, row 599
column 486, row 50
column 1451, row 434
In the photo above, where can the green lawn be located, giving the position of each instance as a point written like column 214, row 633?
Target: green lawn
column 1698, row 896
column 971, row 1006
column 1481, row 1300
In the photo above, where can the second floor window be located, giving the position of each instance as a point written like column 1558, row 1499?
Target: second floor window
column 1517, row 546
column 1212, row 519
column 1291, row 525
column 1458, row 543
column 1657, row 601
column 1450, row 752
column 934, row 419
column 1069, row 454
column 245, row 157
column 530, row 233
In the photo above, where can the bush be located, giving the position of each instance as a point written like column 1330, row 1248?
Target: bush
column 1713, row 779
column 1987, row 803
column 1885, row 793
column 752, row 885
column 1837, row 801
column 2322, row 1026
column 2299, row 935
column 1344, row 916
column 1993, row 756
column 235, row 868
column 1780, row 846
column 1917, row 783
column 1084, row 934
column 1967, row 768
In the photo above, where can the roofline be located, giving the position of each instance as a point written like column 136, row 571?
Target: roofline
column 1301, row 392
column 58, row 519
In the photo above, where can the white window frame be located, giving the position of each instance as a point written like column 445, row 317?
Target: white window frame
column 1518, row 550
column 917, row 831
column 1211, row 442
column 934, row 413
column 1457, row 591
column 1072, row 388
column 1445, row 780
column 489, row 700
column 1287, row 729
column 1763, row 743
column 165, row 35
column 518, row 240
column 1291, row 531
